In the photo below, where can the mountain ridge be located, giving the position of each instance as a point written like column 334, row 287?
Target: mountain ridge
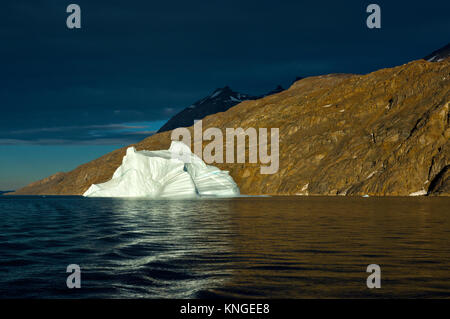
column 439, row 55
column 220, row 100
column 385, row 133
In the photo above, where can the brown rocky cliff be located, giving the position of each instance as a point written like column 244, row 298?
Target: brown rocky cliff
column 384, row 133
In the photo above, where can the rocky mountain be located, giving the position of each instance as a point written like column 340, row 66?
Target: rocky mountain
column 439, row 55
column 278, row 89
column 219, row 101
column 383, row 133
column 298, row 78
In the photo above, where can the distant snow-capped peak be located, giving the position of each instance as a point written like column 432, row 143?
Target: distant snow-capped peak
column 439, row 55
column 222, row 95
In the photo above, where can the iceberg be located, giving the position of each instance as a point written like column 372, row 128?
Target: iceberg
column 173, row 173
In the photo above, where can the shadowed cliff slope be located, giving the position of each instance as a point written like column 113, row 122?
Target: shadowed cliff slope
column 384, row 133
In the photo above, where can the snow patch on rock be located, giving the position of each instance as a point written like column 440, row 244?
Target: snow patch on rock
column 419, row 193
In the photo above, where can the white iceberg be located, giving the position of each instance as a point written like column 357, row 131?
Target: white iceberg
column 172, row 173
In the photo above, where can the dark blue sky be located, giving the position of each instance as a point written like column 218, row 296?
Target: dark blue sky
column 68, row 96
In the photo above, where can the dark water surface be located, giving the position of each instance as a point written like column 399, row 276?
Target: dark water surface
column 279, row 247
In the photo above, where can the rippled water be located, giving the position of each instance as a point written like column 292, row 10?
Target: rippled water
column 279, row 247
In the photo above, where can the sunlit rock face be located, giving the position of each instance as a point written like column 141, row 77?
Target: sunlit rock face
column 385, row 133
column 172, row 173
